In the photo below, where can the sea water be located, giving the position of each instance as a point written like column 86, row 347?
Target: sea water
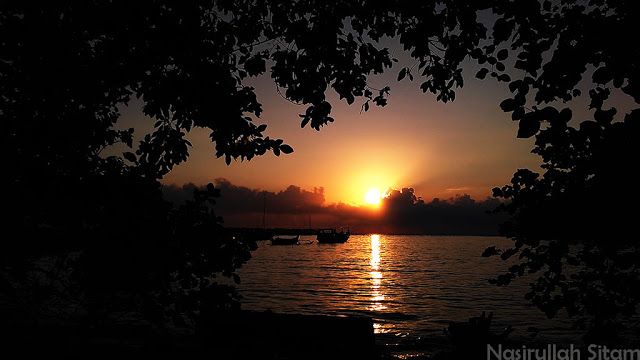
column 412, row 286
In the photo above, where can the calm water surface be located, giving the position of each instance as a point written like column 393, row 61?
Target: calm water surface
column 412, row 286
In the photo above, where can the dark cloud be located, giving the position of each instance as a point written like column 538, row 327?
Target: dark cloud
column 400, row 211
column 242, row 206
column 239, row 199
column 457, row 215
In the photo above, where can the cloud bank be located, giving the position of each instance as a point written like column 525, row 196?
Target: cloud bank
column 401, row 211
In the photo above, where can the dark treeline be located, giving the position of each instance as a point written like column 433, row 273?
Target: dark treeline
column 399, row 212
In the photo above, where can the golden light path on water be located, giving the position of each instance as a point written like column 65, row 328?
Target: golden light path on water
column 377, row 296
column 409, row 285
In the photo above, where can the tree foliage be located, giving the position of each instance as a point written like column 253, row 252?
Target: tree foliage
column 570, row 224
column 66, row 68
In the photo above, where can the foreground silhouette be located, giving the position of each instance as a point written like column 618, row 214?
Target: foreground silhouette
column 97, row 240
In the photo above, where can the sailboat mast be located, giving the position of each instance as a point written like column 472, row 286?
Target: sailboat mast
column 264, row 211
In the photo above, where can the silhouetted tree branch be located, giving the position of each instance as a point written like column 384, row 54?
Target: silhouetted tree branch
column 65, row 68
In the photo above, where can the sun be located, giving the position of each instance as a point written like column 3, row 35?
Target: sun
column 372, row 197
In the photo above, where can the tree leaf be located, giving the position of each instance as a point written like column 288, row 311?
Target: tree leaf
column 402, row 73
column 482, row 73
column 605, row 116
column 502, row 54
column 517, row 113
column 286, row 149
column 508, row 105
column 602, row 75
column 305, row 121
column 490, row 251
column 565, row 115
column 504, row 78
column 528, row 126
column 130, row 156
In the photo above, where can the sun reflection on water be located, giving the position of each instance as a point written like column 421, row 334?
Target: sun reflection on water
column 377, row 297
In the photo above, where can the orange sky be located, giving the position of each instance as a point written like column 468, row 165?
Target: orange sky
column 467, row 146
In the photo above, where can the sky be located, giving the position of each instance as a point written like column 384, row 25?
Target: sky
column 466, row 146
column 440, row 151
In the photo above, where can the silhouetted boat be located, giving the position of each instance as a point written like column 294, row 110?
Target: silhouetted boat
column 331, row 235
column 285, row 240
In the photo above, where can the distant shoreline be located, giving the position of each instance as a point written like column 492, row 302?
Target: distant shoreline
column 293, row 231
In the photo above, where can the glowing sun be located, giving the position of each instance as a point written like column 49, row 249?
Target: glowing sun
column 372, row 197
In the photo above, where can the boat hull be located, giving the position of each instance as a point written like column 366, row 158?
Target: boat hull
column 335, row 240
column 331, row 236
column 285, row 241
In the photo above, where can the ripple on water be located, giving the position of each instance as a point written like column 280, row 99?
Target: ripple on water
column 412, row 286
